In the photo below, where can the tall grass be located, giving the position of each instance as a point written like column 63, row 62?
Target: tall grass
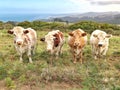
column 101, row 74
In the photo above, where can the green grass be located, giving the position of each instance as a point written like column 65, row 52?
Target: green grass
column 63, row 74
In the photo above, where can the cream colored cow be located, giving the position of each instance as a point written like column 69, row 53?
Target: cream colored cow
column 24, row 41
column 99, row 41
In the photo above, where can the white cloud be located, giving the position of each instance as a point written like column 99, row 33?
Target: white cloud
column 97, row 5
column 104, row 2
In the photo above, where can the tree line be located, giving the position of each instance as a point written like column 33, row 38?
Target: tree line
column 88, row 26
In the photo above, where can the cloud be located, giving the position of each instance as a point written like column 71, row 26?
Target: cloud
column 105, row 2
column 98, row 2
column 97, row 5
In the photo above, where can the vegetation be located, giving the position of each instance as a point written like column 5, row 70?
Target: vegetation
column 101, row 74
column 88, row 26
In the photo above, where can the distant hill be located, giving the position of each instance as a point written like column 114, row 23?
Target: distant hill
column 106, row 17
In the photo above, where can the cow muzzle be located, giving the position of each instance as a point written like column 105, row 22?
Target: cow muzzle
column 76, row 44
column 100, row 45
column 19, row 43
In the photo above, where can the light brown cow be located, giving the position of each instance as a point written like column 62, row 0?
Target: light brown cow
column 24, row 41
column 54, row 41
column 77, row 40
column 99, row 41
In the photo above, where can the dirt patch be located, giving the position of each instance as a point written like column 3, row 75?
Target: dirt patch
column 48, row 86
column 2, row 86
column 60, row 86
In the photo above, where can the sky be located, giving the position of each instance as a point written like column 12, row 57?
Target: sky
column 58, row 6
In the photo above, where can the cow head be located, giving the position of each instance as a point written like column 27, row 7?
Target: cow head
column 52, row 40
column 78, row 36
column 102, row 39
column 19, row 34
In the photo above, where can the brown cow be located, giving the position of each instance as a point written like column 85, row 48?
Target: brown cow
column 77, row 40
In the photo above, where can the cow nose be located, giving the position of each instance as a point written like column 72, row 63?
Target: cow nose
column 76, row 44
column 19, row 43
column 100, row 45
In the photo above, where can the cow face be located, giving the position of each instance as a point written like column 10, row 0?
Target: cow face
column 19, row 34
column 52, row 41
column 49, row 39
column 102, row 39
column 78, row 38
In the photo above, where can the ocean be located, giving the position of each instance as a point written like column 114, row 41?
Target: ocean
column 24, row 17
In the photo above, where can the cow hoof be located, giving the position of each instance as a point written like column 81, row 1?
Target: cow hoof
column 21, row 61
column 95, row 58
column 80, row 62
column 74, row 62
column 31, row 62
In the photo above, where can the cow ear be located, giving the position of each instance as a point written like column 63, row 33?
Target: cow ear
column 108, row 35
column 10, row 31
column 84, row 34
column 70, row 33
column 94, row 35
column 42, row 39
column 26, row 31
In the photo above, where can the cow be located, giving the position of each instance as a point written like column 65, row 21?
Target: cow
column 77, row 40
column 99, row 41
column 54, row 41
column 24, row 41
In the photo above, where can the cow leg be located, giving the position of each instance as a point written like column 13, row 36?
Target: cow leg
column 20, row 54
column 21, row 59
column 104, row 51
column 51, row 57
column 80, row 59
column 96, row 54
column 75, row 59
column 33, row 50
column 94, row 51
column 29, row 55
column 57, row 53
column 60, row 51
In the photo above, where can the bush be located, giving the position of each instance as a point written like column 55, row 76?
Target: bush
column 90, row 26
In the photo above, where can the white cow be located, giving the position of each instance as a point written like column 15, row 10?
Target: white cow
column 99, row 41
column 54, row 41
column 24, row 41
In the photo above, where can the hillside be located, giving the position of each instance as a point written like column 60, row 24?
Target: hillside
column 106, row 17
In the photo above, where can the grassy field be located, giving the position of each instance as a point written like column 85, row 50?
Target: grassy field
column 101, row 74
